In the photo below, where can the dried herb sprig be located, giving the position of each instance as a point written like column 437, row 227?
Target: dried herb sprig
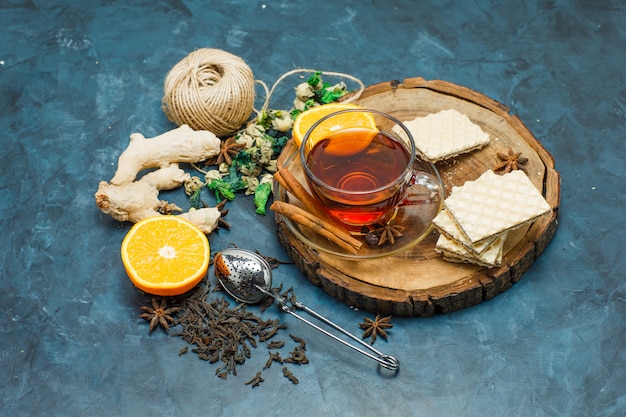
column 249, row 156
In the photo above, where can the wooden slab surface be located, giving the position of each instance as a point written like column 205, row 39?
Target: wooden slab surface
column 418, row 282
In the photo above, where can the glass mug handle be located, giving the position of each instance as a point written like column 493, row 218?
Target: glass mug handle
column 423, row 188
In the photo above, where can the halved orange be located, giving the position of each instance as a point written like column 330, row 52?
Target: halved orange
column 308, row 118
column 165, row 255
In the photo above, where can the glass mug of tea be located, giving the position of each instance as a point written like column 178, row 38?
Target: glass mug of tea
column 361, row 164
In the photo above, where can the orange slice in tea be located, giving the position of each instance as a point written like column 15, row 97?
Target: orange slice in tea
column 165, row 255
column 307, row 118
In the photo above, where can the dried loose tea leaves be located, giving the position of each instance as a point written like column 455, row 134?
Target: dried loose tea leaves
column 221, row 332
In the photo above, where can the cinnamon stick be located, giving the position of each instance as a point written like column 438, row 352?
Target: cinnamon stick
column 322, row 227
column 286, row 179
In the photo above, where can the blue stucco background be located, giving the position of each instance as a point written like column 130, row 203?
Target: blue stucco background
column 78, row 77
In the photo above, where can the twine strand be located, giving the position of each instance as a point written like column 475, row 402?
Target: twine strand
column 352, row 98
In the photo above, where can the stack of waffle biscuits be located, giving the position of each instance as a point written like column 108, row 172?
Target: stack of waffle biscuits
column 478, row 215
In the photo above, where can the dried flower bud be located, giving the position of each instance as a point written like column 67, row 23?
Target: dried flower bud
column 224, row 168
column 304, row 91
column 212, row 175
column 255, row 130
column 299, row 104
column 192, row 185
column 283, row 123
column 251, row 184
column 266, row 178
column 272, row 166
column 246, row 138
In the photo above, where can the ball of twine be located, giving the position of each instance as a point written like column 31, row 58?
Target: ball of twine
column 210, row 89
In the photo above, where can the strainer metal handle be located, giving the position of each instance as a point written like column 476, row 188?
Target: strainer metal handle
column 288, row 306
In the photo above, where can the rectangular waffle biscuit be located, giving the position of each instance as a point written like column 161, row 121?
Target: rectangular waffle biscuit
column 495, row 203
column 445, row 134
column 447, row 225
column 490, row 257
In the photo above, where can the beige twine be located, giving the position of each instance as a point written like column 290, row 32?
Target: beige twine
column 350, row 99
column 210, row 89
column 214, row 90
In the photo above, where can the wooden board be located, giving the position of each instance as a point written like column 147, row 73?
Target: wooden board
column 418, row 282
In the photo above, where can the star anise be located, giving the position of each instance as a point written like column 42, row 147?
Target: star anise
column 159, row 314
column 228, row 149
column 387, row 232
column 376, row 327
column 510, row 161
column 223, row 212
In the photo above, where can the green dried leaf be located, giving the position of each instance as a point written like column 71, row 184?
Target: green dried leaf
column 261, row 197
column 194, row 199
column 222, row 189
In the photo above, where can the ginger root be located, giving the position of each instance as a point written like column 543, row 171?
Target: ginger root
column 127, row 199
column 182, row 144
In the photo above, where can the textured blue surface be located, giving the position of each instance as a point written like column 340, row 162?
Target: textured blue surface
column 77, row 77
